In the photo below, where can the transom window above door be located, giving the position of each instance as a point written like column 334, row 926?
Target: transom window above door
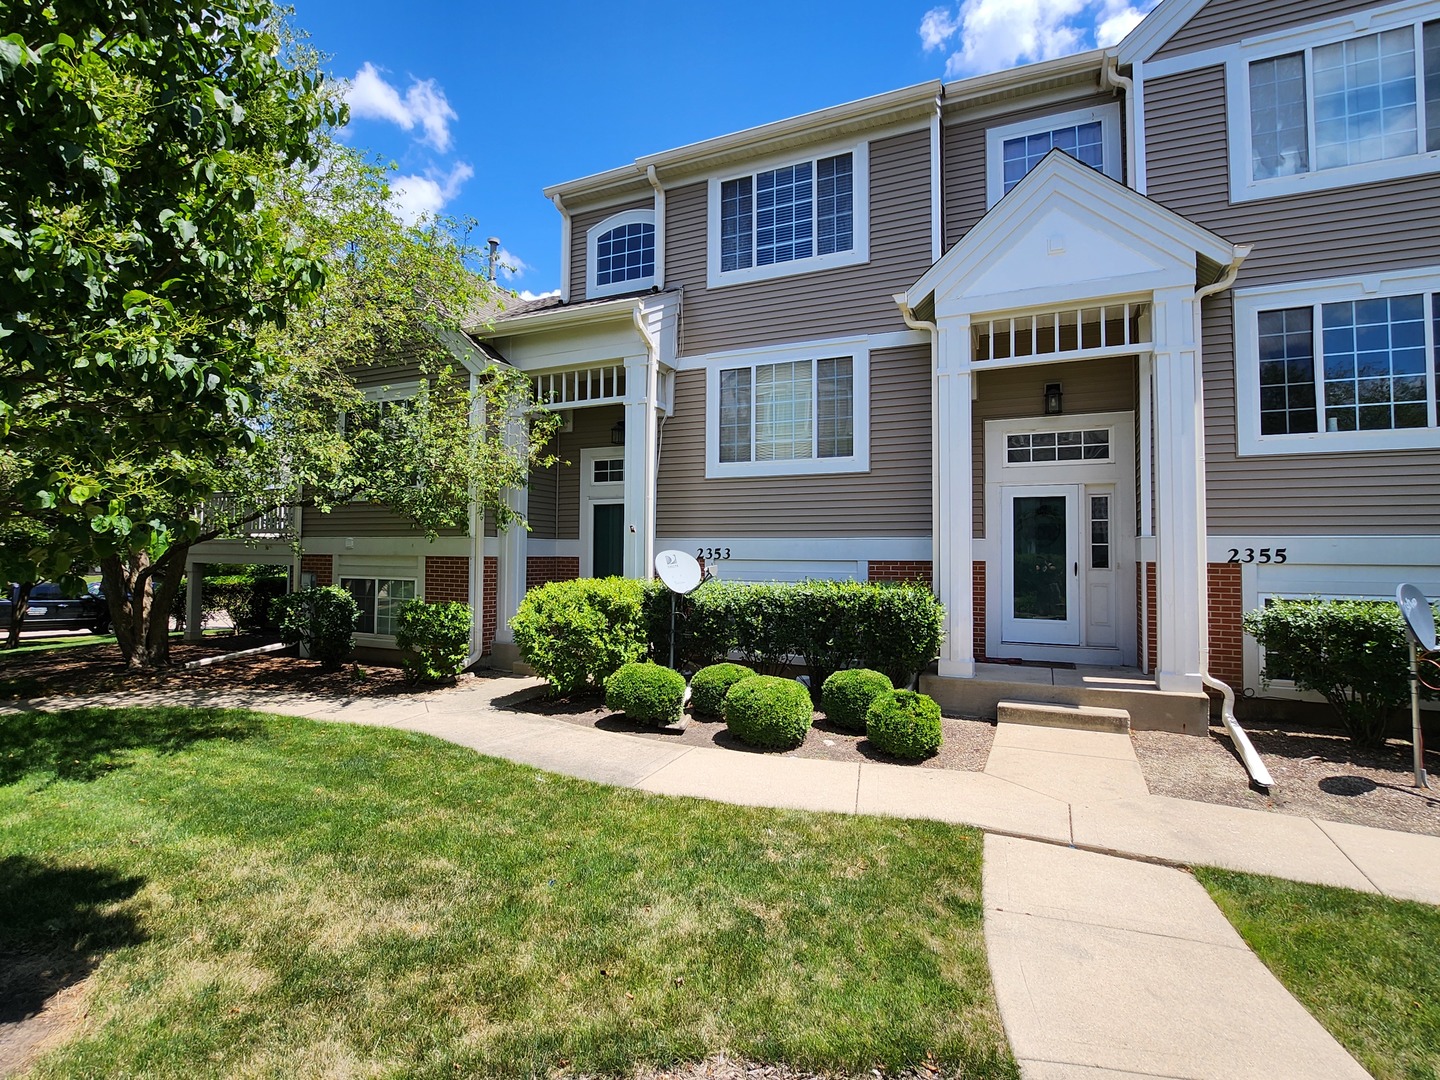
column 1088, row 444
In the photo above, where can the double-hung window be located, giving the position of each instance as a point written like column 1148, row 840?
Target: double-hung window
column 1090, row 136
column 380, row 601
column 782, row 412
column 789, row 217
column 1347, row 108
column 1339, row 365
column 620, row 253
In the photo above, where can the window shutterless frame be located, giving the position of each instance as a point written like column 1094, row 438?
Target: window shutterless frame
column 620, row 253
column 1107, row 116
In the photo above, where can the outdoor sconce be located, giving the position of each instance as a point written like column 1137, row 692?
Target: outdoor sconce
column 1053, row 399
column 617, row 434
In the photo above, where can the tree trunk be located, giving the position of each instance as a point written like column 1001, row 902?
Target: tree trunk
column 140, row 613
column 20, row 603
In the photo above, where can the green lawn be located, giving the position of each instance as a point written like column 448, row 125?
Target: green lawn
column 275, row 897
column 1367, row 967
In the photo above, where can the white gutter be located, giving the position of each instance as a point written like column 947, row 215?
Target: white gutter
column 477, row 545
column 1111, row 79
column 564, row 247
column 902, row 301
column 659, row 225
column 650, row 434
column 1248, row 754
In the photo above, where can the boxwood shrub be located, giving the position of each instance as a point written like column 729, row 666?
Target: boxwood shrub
column 846, row 696
column 578, row 633
column 904, row 724
column 320, row 621
column 646, row 693
column 434, row 640
column 768, row 712
column 710, row 685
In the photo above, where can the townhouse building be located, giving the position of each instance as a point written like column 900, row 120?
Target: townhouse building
column 1107, row 349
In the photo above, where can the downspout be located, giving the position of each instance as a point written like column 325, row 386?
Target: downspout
column 902, row 301
column 1111, row 79
column 477, row 545
column 1253, row 764
column 564, row 248
column 659, row 226
column 652, row 449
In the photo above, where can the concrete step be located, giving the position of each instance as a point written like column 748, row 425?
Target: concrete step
column 1049, row 714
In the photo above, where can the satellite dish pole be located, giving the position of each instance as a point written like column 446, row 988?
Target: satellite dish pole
column 1419, row 630
column 682, row 575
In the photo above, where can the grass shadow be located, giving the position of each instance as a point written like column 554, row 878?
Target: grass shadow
column 56, row 924
column 84, row 744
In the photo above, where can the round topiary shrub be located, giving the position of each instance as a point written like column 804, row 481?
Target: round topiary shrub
column 847, row 695
column 904, row 724
column 769, row 712
column 710, row 684
column 646, row 693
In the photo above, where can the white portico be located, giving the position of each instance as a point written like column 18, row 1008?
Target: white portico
column 1049, row 513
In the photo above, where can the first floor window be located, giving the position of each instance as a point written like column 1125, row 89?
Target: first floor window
column 788, row 411
column 380, row 601
column 1350, row 365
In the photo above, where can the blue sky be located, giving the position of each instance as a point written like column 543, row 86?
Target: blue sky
column 481, row 105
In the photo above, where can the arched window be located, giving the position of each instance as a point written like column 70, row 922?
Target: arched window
column 622, row 253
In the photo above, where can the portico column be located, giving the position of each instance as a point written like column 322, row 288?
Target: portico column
column 641, row 429
column 510, row 569
column 953, row 543
column 1180, row 587
column 194, row 601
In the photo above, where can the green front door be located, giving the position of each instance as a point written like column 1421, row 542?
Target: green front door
column 609, row 540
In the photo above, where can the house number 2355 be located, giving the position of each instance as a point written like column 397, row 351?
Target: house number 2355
column 1263, row 555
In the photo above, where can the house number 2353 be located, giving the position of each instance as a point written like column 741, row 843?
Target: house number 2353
column 712, row 554
column 1263, row 555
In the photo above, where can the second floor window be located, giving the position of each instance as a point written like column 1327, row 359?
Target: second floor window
column 787, row 214
column 621, row 253
column 1091, row 136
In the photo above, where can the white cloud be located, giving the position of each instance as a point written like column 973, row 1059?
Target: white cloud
column 526, row 294
column 413, row 197
column 510, row 265
column 991, row 35
column 424, row 104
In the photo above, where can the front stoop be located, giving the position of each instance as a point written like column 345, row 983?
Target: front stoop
column 1149, row 707
column 1078, row 717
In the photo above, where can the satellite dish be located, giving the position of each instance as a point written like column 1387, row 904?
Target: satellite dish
column 678, row 570
column 1418, row 615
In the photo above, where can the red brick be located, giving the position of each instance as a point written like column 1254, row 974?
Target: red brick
column 322, row 566
column 542, row 569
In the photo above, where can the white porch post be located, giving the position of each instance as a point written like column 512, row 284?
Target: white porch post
column 641, row 429
column 1180, row 587
column 953, row 543
column 194, row 601
column 510, row 571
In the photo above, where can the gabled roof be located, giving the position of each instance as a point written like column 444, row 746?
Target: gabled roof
column 547, row 312
column 1156, row 29
column 1067, row 232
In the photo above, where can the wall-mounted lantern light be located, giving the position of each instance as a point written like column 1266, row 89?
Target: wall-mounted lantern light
column 1053, row 399
column 617, row 434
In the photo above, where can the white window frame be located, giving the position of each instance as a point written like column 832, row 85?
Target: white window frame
column 592, row 267
column 858, row 461
column 1248, row 305
column 995, row 139
column 1243, row 187
column 860, row 219
column 376, row 635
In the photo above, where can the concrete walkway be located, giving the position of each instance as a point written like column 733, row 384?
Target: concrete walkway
column 1103, row 966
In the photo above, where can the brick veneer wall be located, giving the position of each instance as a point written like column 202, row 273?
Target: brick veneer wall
column 447, row 577
column 322, row 566
column 540, row 569
column 1151, row 652
column 900, row 570
column 977, row 577
column 489, row 604
column 1227, row 639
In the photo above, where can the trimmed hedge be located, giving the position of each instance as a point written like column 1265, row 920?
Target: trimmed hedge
column 904, row 724
column 578, row 633
column 321, row 621
column 768, row 712
column 248, row 596
column 832, row 625
column 647, row 693
column 434, row 640
column 847, row 695
column 710, row 685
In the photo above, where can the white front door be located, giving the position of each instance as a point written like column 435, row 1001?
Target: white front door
column 1041, row 564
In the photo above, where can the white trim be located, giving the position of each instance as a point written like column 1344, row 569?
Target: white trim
column 594, row 290
column 1238, row 58
column 1155, row 30
column 565, row 253
column 829, row 549
column 552, row 549
column 898, row 339
column 995, row 138
column 592, row 494
column 1140, row 178
column 1248, row 305
column 857, row 349
column 937, row 188
column 859, row 251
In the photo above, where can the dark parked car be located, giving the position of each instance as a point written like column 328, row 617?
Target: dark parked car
column 51, row 608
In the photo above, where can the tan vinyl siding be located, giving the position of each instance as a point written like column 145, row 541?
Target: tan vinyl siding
column 819, row 304
column 1221, row 22
column 555, row 492
column 892, row 499
column 581, row 222
column 1380, row 226
column 361, row 519
column 1338, row 233
column 963, row 150
column 1093, row 386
